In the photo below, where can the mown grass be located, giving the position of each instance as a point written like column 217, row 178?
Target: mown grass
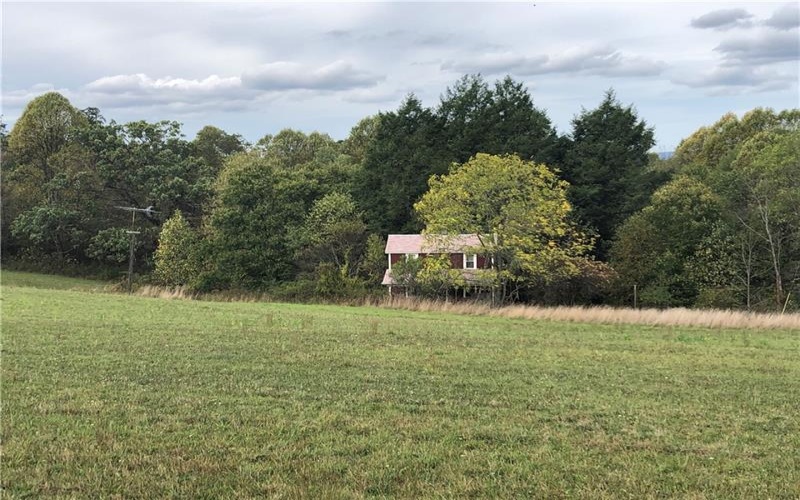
column 52, row 282
column 115, row 396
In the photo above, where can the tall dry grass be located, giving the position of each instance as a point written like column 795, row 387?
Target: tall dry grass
column 183, row 293
column 709, row 318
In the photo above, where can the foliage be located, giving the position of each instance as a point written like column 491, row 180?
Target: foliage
column 725, row 230
column 332, row 282
column 405, row 273
column 405, row 152
column 715, row 224
column 655, row 245
column 498, row 120
column 332, row 233
column 607, row 166
column 111, row 245
column 519, row 211
column 361, row 135
column 49, row 186
column 436, row 276
column 214, row 146
column 374, row 262
column 177, row 259
column 50, row 231
column 47, row 124
column 255, row 206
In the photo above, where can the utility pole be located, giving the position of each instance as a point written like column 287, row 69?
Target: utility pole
column 635, row 298
column 149, row 212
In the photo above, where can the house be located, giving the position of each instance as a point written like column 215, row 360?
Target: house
column 462, row 250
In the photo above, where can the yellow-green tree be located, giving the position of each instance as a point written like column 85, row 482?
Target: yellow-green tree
column 520, row 212
column 177, row 261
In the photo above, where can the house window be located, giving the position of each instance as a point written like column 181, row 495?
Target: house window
column 469, row 261
column 410, row 256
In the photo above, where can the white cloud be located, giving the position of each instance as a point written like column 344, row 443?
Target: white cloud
column 603, row 61
column 339, row 75
column 739, row 79
column 142, row 82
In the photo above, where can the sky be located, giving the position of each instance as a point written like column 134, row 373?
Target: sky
column 256, row 68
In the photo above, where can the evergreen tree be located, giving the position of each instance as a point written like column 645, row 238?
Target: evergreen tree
column 606, row 165
column 406, row 151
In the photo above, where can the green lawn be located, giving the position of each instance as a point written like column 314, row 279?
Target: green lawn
column 107, row 395
column 49, row 281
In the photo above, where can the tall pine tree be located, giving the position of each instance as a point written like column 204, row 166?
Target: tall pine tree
column 606, row 165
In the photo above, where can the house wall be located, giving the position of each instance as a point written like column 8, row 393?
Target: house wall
column 456, row 260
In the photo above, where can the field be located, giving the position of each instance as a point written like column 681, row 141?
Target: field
column 106, row 395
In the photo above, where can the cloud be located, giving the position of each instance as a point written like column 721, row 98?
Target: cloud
column 765, row 48
column 723, row 19
column 492, row 63
column 255, row 87
column 598, row 61
column 179, row 95
column 375, row 96
column 339, row 75
column 736, row 80
column 17, row 99
column 785, row 18
column 142, row 82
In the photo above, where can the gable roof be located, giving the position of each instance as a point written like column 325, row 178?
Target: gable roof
column 430, row 243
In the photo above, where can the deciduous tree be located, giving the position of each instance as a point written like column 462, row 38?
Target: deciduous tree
column 519, row 211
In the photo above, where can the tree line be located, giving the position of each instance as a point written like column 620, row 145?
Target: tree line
column 577, row 218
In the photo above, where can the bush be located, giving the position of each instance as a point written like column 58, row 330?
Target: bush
column 110, row 245
column 718, row 298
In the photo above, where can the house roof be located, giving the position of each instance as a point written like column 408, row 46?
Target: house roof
column 430, row 243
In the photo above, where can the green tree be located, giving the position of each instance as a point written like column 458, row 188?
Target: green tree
column 437, row 277
column 214, row 146
column 110, row 245
column 520, row 213
column 47, row 125
column 750, row 163
column 48, row 230
column 361, row 135
column 292, row 149
column 499, row 120
column 405, row 273
column 606, row 166
column 768, row 169
column 333, row 232
column 50, row 188
column 406, row 151
column 374, row 263
column 255, row 206
column 177, row 259
column 654, row 246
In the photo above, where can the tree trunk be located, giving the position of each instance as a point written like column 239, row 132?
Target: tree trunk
column 774, row 250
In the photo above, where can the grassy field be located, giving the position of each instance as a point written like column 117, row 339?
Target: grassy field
column 107, row 395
